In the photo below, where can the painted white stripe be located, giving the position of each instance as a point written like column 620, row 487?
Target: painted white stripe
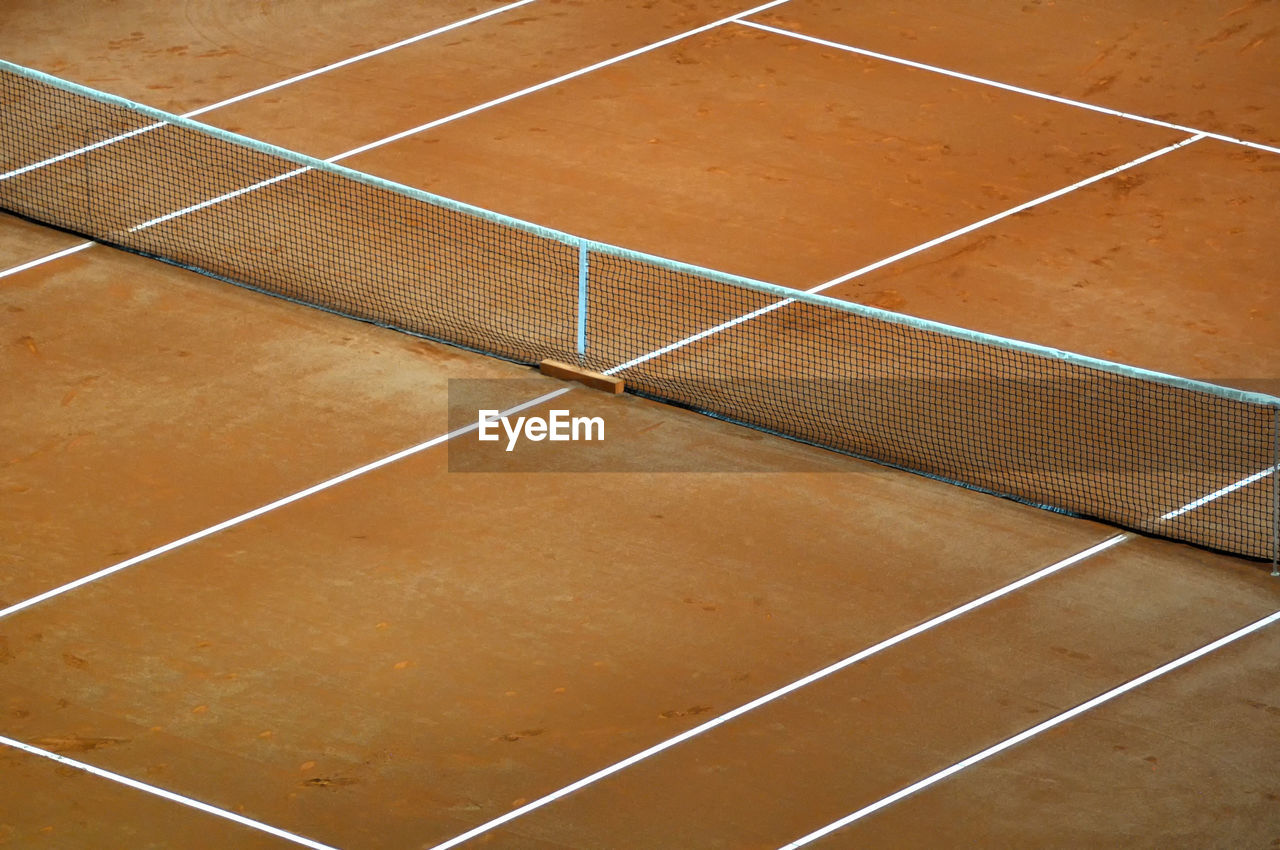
column 268, row 88
column 1007, row 87
column 279, row 503
column 227, row 196
column 1218, row 494
column 71, row 154
column 783, row 691
column 168, row 795
column 923, row 246
column 1088, row 181
column 1033, row 731
column 237, row 193
column 360, row 58
column 57, row 255
column 702, row 334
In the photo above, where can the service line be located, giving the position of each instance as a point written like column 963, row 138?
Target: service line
column 848, row 48
column 901, row 255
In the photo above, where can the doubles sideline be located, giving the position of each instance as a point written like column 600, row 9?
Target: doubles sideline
column 772, row 696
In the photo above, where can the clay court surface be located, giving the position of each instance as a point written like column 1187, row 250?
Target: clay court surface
column 415, row 652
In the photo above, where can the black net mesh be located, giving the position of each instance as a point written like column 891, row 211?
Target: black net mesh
column 310, row 235
column 1045, row 431
column 1140, row 453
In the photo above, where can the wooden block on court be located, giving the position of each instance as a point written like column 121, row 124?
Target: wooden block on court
column 595, row 380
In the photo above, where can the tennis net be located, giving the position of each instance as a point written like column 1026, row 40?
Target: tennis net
column 1154, row 453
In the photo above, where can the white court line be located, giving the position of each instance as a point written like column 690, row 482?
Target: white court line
column 1218, row 494
column 783, row 691
column 1033, row 731
column 923, row 246
column 361, row 57
column 279, row 503
column 57, row 255
column 710, row 724
column 924, row 783
column 226, row 196
column 264, row 89
column 445, row 120
column 168, row 795
column 800, row 683
column 1007, row 87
